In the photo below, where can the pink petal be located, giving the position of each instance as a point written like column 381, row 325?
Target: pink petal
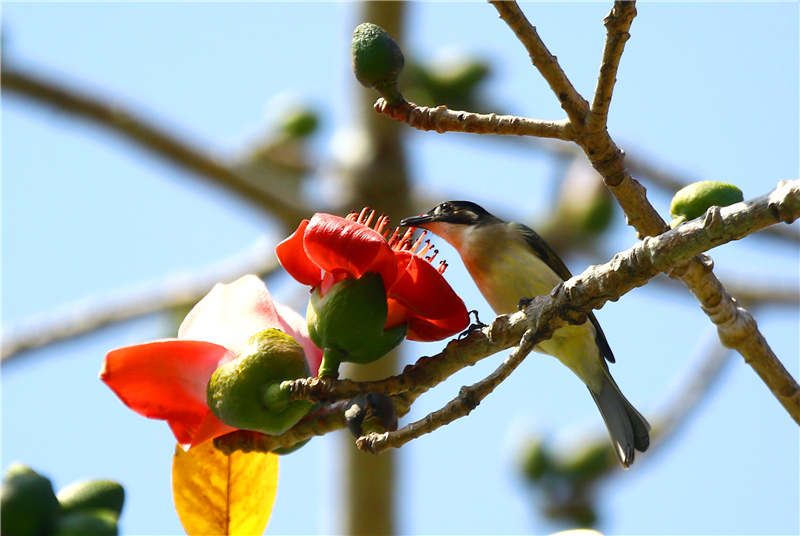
column 165, row 379
column 230, row 314
column 295, row 326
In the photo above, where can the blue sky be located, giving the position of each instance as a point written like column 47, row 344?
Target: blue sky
column 709, row 89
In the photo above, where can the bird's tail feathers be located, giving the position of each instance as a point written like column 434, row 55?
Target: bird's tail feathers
column 628, row 429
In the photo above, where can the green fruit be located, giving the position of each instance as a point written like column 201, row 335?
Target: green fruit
column 348, row 322
column 97, row 522
column 28, row 506
column 92, row 494
column 377, row 60
column 299, row 123
column 692, row 201
column 245, row 393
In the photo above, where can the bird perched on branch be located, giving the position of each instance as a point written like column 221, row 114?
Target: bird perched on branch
column 509, row 262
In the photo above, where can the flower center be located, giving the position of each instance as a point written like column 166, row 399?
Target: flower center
column 397, row 241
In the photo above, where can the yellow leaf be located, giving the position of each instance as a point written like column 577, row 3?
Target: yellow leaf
column 219, row 495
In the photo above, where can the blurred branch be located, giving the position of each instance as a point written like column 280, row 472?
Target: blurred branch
column 171, row 292
column 569, row 303
column 690, row 391
column 156, row 140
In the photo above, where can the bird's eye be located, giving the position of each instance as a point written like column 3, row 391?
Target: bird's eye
column 445, row 208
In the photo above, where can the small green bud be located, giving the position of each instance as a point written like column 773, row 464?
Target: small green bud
column 28, row 505
column 692, row 201
column 593, row 461
column 536, row 462
column 97, row 522
column 299, row 123
column 347, row 323
column 246, row 394
column 377, row 60
column 92, row 494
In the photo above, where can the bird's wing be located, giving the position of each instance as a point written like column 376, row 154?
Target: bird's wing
column 551, row 258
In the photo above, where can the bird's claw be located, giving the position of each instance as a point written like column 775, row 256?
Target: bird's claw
column 476, row 326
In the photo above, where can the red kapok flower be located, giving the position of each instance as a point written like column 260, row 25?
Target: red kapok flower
column 327, row 249
column 167, row 379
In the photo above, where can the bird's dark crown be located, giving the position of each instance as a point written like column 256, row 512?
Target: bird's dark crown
column 461, row 212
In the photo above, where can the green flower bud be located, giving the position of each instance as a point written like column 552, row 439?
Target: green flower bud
column 28, row 505
column 536, row 463
column 593, row 461
column 377, row 60
column 347, row 323
column 97, row 522
column 92, row 494
column 299, row 123
column 246, row 394
column 692, row 201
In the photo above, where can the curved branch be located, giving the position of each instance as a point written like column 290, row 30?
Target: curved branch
column 569, row 303
column 160, row 142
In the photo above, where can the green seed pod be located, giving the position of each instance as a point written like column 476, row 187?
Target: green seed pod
column 377, row 60
column 92, row 494
column 28, row 505
column 97, row 522
column 692, row 201
column 347, row 323
column 246, row 394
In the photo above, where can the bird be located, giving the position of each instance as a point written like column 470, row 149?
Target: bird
column 509, row 262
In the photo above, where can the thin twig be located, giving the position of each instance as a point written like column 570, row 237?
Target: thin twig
column 441, row 119
column 171, row 292
column 468, row 399
column 571, row 101
column 160, row 142
column 617, row 24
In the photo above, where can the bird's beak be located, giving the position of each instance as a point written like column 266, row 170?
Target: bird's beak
column 418, row 221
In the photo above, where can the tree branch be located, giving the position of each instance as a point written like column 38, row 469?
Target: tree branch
column 132, row 127
column 171, row 292
column 570, row 302
column 617, row 24
column 441, row 119
column 571, row 101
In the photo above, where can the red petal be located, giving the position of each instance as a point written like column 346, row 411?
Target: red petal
column 433, row 310
column 339, row 245
column 423, row 330
column 230, row 314
column 294, row 259
column 165, row 379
